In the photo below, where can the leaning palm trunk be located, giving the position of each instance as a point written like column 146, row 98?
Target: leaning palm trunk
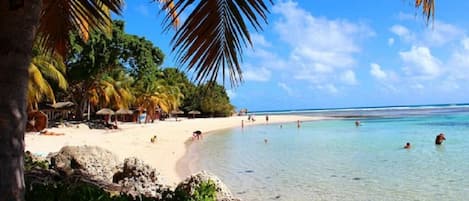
column 18, row 23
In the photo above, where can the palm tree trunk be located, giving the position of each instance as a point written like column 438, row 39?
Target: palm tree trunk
column 18, row 23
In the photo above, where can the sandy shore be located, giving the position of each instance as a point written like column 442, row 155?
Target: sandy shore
column 134, row 139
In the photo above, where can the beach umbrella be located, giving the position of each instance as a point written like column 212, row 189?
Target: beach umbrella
column 124, row 111
column 60, row 105
column 194, row 112
column 176, row 112
column 105, row 111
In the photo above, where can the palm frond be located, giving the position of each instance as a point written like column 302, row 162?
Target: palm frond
column 428, row 8
column 211, row 41
column 60, row 17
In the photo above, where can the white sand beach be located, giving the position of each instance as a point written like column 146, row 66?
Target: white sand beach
column 133, row 139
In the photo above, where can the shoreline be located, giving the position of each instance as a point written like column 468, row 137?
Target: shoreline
column 166, row 155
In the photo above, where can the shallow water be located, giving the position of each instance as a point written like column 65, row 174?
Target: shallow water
column 334, row 160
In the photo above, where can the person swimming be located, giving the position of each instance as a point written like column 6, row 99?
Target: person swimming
column 407, row 145
column 440, row 138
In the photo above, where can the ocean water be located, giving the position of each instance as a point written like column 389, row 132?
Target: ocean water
column 334, row 160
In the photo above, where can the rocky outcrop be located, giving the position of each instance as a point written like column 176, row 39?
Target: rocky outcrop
column 138, row 178
column 191, row 183
column 97, row 162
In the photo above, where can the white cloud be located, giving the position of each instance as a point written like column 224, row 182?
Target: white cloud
column 329, row 88
column 377, row 72
column 421, row 63
column 231, row 93
column 405, row 16
column 348, row 77
column 390, row 41
column 441, row 34
column 459, row 61
column 322, row 50
column 286, row 88
column 259, row 74
column 402, row 32
column 259, row 40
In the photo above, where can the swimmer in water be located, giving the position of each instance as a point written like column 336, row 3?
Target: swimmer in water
column 407, row 145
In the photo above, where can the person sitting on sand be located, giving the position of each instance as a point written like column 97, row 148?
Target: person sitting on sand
column 440, row 138
column 197, row 134
column 46, row 132
column 407, row 145
column 153, row 139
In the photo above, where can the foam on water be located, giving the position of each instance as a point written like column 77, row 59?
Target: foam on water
column 334, row 160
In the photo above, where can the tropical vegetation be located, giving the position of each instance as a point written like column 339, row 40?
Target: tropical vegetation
column 49, row 22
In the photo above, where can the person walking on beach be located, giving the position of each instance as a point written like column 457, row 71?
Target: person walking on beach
column 266, row 118
column 298, row 124
column 242, row 123
column 440, row 138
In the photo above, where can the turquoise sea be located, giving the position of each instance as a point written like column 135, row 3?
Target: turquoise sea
column 334, row 160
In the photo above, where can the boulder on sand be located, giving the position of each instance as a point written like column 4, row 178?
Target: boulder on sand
column 138, row 178
column 97, row 162
column 190, row 184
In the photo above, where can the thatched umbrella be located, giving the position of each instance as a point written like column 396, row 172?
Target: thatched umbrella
column 60, row 105
column 176, row 112
column 124, row 111
column 194, row 112
column 105, row 111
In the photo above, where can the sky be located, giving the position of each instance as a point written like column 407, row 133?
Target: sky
column 333, row 54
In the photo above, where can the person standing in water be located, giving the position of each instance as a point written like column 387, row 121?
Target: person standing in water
column 440, row 138
column 298, row 124
column 357, row 123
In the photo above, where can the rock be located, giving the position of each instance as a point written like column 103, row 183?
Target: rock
column 97, row 162
column 137, row 178
column 191, row 183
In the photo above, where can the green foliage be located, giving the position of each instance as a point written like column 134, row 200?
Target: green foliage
column 206, row 191
column 211, row 99
column 81, row 191
column 105, row 69
column 30, row 163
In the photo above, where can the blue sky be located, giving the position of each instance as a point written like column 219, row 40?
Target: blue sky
column 322, row 54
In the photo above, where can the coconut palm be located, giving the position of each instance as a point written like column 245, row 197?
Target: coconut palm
column 44, row 69
column 157, row 95
column 111, row 90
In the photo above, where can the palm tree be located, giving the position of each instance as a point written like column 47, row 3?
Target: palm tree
column 44, row 68
column 157, row 95
column 111, row 90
